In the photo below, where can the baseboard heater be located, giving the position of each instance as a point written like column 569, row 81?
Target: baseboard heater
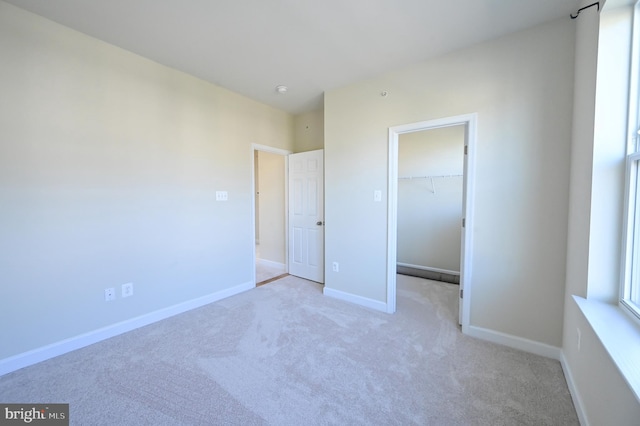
column 435, row 274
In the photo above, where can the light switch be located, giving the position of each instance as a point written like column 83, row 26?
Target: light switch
column 377, row 195
column 222, row 196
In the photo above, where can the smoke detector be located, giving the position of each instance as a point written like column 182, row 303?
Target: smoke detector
column 282, row 89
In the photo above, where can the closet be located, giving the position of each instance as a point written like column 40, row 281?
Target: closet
column 430, row 191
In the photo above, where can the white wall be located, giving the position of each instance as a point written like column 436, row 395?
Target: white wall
column 430, row 212
column 109, row 165
column 603, row 43
column 521, row 86
column 272, row 212
column 309, row 130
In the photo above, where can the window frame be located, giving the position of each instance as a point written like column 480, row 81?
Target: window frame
column 630, row 287
column 629, row 299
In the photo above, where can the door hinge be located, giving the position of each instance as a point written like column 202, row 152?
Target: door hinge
column 466, row 149
column 464, row 222
column 461, row 293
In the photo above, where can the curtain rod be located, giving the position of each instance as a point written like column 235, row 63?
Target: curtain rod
column 586, row 7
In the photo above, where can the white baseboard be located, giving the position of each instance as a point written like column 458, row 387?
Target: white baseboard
column 35, row 356
column 573, row 390
column 272, row 264
column 358, row 300
column 515, row 342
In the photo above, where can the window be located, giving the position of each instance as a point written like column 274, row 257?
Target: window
column 630, row 292
column 630, row 297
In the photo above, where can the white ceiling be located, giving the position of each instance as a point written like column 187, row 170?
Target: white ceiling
column 251, row 46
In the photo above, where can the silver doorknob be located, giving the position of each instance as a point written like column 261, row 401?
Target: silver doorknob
column 320, row 223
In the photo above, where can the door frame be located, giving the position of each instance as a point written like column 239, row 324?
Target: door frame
column 285, row 153
column 470, row 123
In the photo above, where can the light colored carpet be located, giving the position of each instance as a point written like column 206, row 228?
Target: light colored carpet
column 283, row 354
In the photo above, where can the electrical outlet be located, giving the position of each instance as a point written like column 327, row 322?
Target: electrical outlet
column 336, row 267
column 127, row 289
column 109, row 294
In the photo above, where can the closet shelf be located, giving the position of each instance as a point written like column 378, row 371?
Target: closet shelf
column 431, row 178
column 428, row 177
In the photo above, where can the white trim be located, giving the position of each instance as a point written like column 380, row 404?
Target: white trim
column 358, row 300
column 271, row 264
column 272, row 150
column 627, row 225
column 633, row 118
column 515, row 342
column 470, row 123
column 630, row 236
column 285, row 153
column 573, row 390
column 44, row 353
column 392, row 220
column 428, row 268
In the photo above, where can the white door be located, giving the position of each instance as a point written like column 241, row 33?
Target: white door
column 306, row 215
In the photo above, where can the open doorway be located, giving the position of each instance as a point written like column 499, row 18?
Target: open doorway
column 430, row 184
column 270, row 213
column 468, row 124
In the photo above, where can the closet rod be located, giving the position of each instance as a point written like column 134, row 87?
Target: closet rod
column 429, row 177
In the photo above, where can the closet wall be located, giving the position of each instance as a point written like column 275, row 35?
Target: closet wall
column 430, row 167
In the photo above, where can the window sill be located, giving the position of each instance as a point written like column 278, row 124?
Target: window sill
column 620, row 336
